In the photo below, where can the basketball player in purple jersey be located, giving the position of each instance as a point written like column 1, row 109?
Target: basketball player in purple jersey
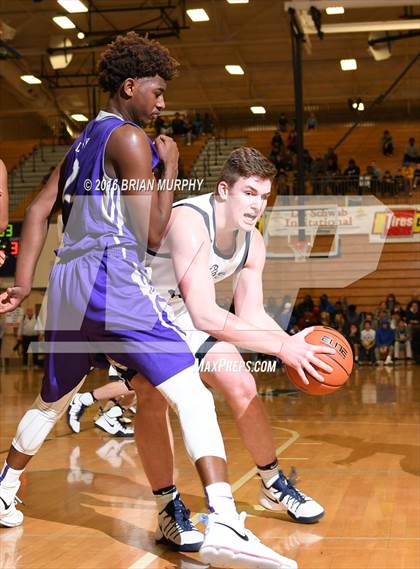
column 101, row 300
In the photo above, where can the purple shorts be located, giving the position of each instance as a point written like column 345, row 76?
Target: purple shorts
column 103, row 304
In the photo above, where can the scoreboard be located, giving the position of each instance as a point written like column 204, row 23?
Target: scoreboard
column 9, row 243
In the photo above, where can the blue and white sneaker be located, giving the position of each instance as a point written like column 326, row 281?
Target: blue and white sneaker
column 283, row 495
column 75, row 412
column 175, row 528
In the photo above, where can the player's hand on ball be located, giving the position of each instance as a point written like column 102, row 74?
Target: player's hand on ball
column 298, row 354
column 167, row 150
column 12, row 298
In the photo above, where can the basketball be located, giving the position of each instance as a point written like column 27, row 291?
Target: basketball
column 341, row 362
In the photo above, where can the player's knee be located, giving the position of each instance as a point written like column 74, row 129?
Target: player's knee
column 241, row 389
column 36, row 424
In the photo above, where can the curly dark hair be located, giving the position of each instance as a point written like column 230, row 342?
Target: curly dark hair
column 133, row 56
column 245, row 162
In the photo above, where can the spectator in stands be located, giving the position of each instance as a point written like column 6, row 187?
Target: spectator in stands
column 381, row 313
column 353, row 338
column 352, row 173
column 197, row 125
column 177, row 125
column 411, row 151
column 376, row 171
column 367, row 343
column 387, row 144
column 317, row 173
column 208, row 124
column 340, row 323
column 384, row 343
column 408, row 172
column 352, row 316
column 325, row 304
column 395, row 319
column 403, row 341
column 283, row 123
column 188, row 131
column 282, row 185
column 388, row 184
column 390, row 302
column 402, row 185
column 413, row 314
column 324, row 318
column 331, row 158
column 277, row 140
column 307, row 305
column 414, row 298
column 312, row 122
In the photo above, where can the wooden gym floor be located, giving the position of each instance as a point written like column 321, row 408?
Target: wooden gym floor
column 88, row 505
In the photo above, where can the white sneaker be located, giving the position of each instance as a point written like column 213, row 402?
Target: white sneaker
column 9, row 516
column 282, row 495
column 109, row 421
column 75, row 412
column 388, row 361
column 228, row 544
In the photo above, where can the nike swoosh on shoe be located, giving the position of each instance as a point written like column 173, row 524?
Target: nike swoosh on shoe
column 244, row 537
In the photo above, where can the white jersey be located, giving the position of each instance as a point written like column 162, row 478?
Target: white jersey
column 220, row 265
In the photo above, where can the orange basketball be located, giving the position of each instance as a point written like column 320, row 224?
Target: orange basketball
column 341, row 362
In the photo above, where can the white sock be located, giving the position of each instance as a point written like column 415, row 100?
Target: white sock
column 269, row 474
column 9, row 482
column 164, row 496
column 220, row 499
column 87, row 398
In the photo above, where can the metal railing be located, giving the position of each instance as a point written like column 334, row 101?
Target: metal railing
column 323, row 184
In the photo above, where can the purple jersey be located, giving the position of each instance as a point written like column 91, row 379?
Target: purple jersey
column 94, row 213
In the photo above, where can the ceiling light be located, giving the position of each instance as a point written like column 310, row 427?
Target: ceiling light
column 79, row 117
column 348, row 64
column 31, row 79
column 258, row 110
column 64, row 22
column 73, row 6
column 332, row 10
column 198, row 15
column 234, row 69
column 238, row 1
column 80, row 35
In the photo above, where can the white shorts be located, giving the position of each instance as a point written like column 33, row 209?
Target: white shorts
column 193, row 337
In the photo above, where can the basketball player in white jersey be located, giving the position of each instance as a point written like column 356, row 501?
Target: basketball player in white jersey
column 209, row 238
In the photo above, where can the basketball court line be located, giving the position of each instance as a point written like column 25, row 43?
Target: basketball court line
column 147, row 559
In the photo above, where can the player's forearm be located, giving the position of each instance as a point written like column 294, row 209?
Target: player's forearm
column 34, row 233
column 227, row 327
column 260, row 319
